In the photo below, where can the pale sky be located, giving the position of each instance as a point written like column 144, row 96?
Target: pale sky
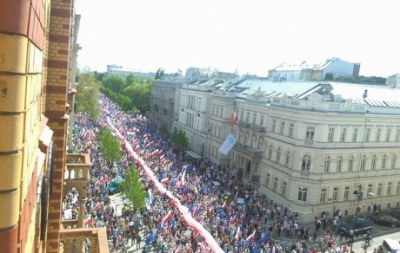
column 251, row 36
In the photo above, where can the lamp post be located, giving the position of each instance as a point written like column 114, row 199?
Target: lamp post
column 357, row 192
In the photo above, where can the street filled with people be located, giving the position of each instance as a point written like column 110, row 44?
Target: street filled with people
column 192, row 205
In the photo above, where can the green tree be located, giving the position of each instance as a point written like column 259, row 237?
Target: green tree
column 139, row 93
column 114, row 83
column 133, row 189
column 180, row 139
column 159, row 73
column 163, row 129
column 87, row 95
column 109, row 147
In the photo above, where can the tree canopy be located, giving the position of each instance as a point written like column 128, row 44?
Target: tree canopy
column 109, row 147
column 180, row 139
column 87, row 95
column 133, row 189
column 131, row 94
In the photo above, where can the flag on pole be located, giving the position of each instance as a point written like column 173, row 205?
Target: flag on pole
column 88, row 222
column 165, row 180
column 238, row 233
column 233, row 119
column 227, row 145
column 167, row 217
column 183, row 177
column 251, row 237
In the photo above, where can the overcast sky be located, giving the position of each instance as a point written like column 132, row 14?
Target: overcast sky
column 251, row 36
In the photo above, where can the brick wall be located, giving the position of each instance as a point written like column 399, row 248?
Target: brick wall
column 61, row 18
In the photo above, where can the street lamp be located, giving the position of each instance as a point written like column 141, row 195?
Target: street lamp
column 357, row 192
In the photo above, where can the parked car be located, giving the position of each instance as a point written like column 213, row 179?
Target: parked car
column 389, row 246
column 395, row 213
column 360, row 226
column 386, row 220
column 115, row 185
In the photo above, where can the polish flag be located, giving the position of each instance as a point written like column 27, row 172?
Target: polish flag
column 251, row 237
column 170, row 165
column 224, row 205
column 183, row 177
column 238, row 233
column 233, row 119
column 97, row 206
column 88, row 222
column 155, row 152
column 166, row 218
column 165, row 180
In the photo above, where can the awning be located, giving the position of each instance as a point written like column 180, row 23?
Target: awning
column 192, row 154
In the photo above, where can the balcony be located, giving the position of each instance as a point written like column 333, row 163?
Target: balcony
column 252, row 152
column 74, row 240
column 244, row 124
column 258, row 128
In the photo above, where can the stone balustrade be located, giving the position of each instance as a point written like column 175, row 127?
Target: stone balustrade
column 74, row 240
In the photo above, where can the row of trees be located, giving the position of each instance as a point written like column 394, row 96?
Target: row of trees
column 132, row 94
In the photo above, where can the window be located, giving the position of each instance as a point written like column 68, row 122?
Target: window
column 323, row 195
column 378, row 134
column 383, row 162
column 327, row 164
column 369, row 189
column 254, row 117
column 310, row 133
column 389, row 189
column 241, row 115
column 291, row 130
column 362, row 162
column 287, row 159
column 271, row 147
column 393, row 162
column 331, row 134
column 248, row 117
column 267, row 179
column 306, row 163
column 217, row 111
column 213, row 110
column 302, row 194
column 282, row 130
column 367, row 134
column 343, row 135
column 350, row 165
column 276, row 182
column 278, row 155
column 388, row 134
column 398, row 134
column 398, row 188
column 284, row 187
column 221, row 112
column 379, row 190
column 373, row 162
column 346, row 193
column 339, row 164
column 355, row 135
column 262, row 120
column 273, row 125
column 335, row 194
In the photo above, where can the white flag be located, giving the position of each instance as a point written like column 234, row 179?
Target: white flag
column 227, row 145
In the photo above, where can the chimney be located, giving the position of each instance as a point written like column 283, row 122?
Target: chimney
column 365, row 95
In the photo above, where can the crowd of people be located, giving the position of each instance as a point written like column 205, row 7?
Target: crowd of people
column 235, row 214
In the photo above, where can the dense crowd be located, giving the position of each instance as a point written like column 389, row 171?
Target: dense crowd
column 235, row 214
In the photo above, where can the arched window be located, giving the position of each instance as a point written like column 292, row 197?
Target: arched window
column 383, row 162
column 287, row 159
column 363, row 162
column 327, row 164
column 339, row 164
column 373, row 162
column 350, row 165
column 278, row 155
column 271, row 147
column 306, row 163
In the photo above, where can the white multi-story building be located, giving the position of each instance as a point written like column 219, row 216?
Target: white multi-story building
column 124, row 72
column 318, row 142
column 306, row 71
column 393, row 81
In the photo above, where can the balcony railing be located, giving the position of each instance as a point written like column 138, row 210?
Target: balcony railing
column 244, row 124
column 75, row 240
column 309, row 142
column 255, row 153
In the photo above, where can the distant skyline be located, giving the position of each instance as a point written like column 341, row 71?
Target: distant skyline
column 249, row 36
